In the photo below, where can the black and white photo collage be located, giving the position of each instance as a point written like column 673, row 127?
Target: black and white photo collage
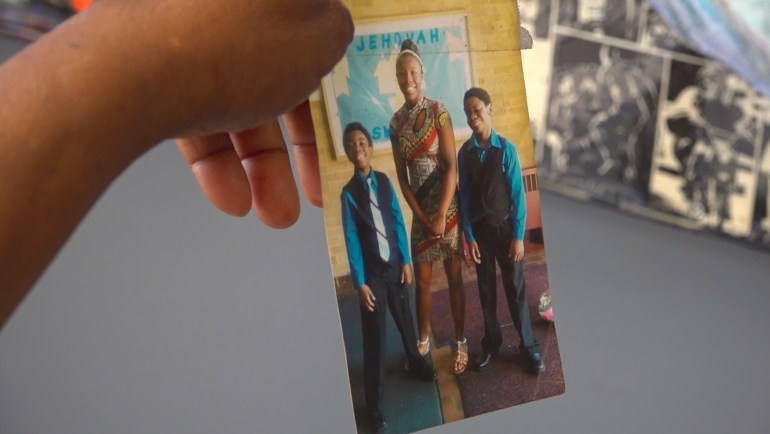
column 623, row 111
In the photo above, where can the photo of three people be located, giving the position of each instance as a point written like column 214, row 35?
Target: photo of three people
column 468, row 211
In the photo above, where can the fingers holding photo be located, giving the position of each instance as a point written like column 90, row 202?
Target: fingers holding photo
column 218, row 171
column 263, row 153
column 299, row 128
column 243, row 170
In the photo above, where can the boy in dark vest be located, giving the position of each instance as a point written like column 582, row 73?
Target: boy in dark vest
column 493, row 211
column 380, row 266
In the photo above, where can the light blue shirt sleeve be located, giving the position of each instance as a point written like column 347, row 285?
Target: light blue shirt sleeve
column 515, row 184
column 465, row 196
column 398, row 220
column 352, row 243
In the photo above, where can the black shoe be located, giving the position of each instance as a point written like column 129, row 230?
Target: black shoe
column 377, row 422
column 484, row 360
column 536, row 362
column 419, row 369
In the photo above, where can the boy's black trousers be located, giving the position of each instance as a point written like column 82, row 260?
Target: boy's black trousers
column 494, row 246
column 385, row 283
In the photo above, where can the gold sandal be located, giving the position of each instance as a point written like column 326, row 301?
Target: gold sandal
column 423, row 346
column 461, row 357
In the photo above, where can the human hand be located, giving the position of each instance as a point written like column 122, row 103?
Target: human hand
column 438, row 225
column 475, row 253
column 129, row 74
column 426, row 224
column 367, row 297
column 251, row 168
column 239, row 160
column 237, row 65
column 406, row 275
column 516, row 251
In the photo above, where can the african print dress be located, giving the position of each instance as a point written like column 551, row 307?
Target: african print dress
column 420, row 150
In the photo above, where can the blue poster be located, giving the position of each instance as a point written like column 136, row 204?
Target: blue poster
column 363, row 86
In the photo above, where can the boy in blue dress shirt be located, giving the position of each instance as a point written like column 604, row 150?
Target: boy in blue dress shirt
column 493, row 212
column 380, row 266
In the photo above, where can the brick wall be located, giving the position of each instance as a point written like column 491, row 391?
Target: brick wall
column 496, row 62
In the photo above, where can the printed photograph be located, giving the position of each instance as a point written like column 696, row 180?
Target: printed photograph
column 712, row 126
column 626, row 111
column 601, row 119
column 433, row 220
column 535, row 16
column 611, row 18
column 761, row 221
column 656, row 33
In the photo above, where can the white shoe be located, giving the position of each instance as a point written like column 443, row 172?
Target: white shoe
column 423, row 346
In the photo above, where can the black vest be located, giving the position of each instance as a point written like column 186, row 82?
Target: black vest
column 490, row 201
column 367, row 231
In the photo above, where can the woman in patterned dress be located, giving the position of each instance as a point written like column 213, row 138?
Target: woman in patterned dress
column 426, row 163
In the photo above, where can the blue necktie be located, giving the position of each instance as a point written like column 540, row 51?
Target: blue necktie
column 382, row 240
